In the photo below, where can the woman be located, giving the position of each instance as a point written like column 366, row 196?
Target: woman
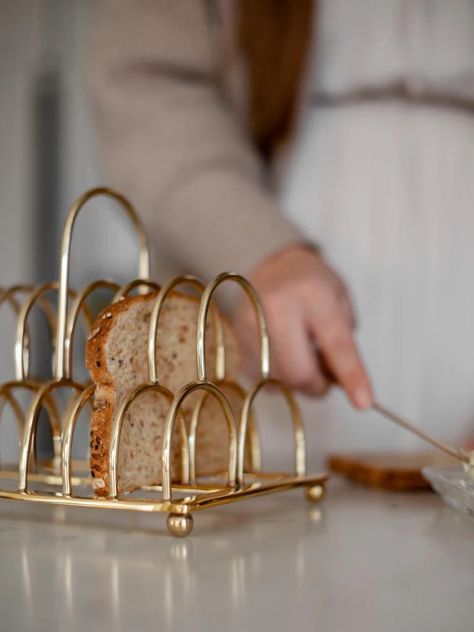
column 280, row 139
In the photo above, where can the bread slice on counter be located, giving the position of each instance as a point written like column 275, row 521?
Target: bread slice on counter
column 116, row 358
column 388, row 470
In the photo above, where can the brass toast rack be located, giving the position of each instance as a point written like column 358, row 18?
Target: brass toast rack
column 52, row 481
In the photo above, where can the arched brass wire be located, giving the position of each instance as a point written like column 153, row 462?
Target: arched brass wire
column 31, row 422
column 68, row 435
column 298, row 429
column 202, row 320
column 37, row 296
column 117, row 424
column 196, row 284
column 9, row 296
column 73, row 315
column 181, row 395
column 144, row 262
column 6, row 390
column 47, row 307
column 129, row 287
column 255, row 449
column 22, row 371
column 9, row 398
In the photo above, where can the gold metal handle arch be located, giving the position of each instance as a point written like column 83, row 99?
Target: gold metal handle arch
column 116, row 430
column 125, row 290
column 21, row 340
column 68, row 434
column 21, row 357
column 71, row 322
column 144, row 262
column 8, row 296
column 202, row 320
column 37, row 296
column 255, row 447
column 195, row 283
column 181, row 395
column 6, row 397
column 30, row 425
column 298, row 429
column 6, row 392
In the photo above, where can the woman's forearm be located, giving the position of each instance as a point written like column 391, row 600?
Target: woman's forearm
column 171, row 142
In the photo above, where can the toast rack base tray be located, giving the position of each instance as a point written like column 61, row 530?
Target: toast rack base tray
column 186, row 498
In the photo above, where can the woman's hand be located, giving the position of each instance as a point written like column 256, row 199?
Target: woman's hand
column 310, row 322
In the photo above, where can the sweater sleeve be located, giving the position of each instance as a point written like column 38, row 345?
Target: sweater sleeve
column 173, row 144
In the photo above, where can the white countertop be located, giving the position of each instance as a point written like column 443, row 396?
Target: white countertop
column 361, row 561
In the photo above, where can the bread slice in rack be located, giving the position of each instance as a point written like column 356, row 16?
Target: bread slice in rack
column 117, row 361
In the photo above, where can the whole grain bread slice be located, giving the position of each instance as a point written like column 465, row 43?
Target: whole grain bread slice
column 116, row 358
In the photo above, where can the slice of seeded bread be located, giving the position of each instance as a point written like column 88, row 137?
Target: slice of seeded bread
column 117, row 361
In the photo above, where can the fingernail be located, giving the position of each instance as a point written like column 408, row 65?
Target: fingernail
column 362, row 398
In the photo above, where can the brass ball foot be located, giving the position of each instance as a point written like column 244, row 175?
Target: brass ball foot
column 314, row 493
column 180, row 525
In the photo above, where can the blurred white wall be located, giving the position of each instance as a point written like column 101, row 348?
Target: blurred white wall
column 103, row 245
column 18, row 57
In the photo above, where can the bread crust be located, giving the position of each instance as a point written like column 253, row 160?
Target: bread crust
column 385, row 470
column 103, row 404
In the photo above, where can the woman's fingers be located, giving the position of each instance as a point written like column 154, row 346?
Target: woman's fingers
column 333, row 334
column 294, row 361
column 310, row 318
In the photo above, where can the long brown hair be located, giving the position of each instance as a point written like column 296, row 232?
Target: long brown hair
column 274, row 38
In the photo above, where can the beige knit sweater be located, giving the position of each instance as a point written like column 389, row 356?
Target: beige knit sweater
column 172, row 137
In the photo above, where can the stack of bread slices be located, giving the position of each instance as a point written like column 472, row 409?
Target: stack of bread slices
column 117, row 362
